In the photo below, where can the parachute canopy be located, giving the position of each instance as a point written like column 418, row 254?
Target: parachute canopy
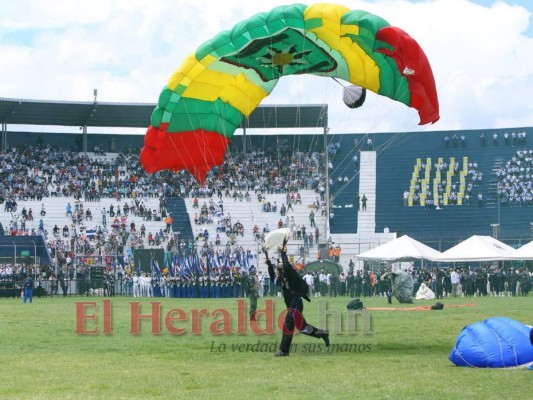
column 210, row 94
column 402, row 286
column 497, row 342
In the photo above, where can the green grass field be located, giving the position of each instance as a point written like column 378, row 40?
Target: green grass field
column 405, row 356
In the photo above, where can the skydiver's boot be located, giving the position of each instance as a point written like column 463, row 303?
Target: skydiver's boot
column 317, row 333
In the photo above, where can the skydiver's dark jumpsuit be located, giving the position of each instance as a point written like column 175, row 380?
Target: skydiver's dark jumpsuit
column 294, row 288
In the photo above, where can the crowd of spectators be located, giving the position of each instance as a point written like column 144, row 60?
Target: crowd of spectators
column 515, row 180
column 509, row 139
column 473, row 180
column 97, row 235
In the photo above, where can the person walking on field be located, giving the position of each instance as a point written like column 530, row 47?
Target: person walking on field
column 28, row 289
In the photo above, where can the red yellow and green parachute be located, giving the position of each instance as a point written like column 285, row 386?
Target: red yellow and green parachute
column 207, row 98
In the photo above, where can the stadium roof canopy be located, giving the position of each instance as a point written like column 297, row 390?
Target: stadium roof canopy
column 131, row 115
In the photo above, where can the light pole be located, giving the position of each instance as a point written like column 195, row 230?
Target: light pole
column 495, row 230
column 326, row 156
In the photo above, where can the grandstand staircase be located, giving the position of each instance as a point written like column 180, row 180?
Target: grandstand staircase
column 181, row 223
column 493, row 199
column 366, row 220
column 366, row 237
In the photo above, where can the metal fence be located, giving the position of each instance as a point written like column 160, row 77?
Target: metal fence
column 12, row 288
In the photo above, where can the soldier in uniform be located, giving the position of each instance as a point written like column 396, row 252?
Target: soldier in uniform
column 64, row 285
column 136, row 285
column 266, row 284
column 253, row 291
column 294, row 289
column 110, row 284
column 440, row 283
column 386, row 280
column 350, row 284
column 358, row 283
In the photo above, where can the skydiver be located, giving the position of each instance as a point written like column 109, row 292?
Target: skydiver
column 294, row 288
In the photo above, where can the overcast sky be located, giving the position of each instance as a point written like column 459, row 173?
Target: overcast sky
column 481, row 52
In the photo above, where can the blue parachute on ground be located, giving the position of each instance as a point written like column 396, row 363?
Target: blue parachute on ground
column 497, row 342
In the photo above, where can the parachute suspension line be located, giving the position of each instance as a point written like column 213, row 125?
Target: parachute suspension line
column 231, row 156
column 276, row 154
column 341, row 168
column 176, row 149
column 296, row 150
column 207, row 149
column 394, row 141
column 401, row 137
column 339, row 82
column 313, row 148
column 465, row 360
column 373, row 128
column 397, row 139
column 343, row 171
column 351, row 174
column 298, row 160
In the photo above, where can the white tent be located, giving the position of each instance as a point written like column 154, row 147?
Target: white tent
column 403, row 248
column 524, row 253
column 478, row 248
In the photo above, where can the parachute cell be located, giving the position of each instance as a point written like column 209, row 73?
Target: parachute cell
column 494, row 343
column 228, row 76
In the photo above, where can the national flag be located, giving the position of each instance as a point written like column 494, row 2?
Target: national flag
column 237, row 263
column 202, row 266
column 157, row 269
column 187, row 266
column 171, row 269
column 245, row 262
column 213, row 264
column 181, row 265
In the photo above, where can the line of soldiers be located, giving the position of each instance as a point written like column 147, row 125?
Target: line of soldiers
column 223, row 285
column 479, row 282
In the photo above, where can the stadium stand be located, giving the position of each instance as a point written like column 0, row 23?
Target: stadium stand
column 181, row 223
column 272, row 167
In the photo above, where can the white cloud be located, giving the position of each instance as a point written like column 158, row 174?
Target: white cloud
column 62, row 50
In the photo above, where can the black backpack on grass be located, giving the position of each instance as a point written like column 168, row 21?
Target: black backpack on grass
column 355, row 304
